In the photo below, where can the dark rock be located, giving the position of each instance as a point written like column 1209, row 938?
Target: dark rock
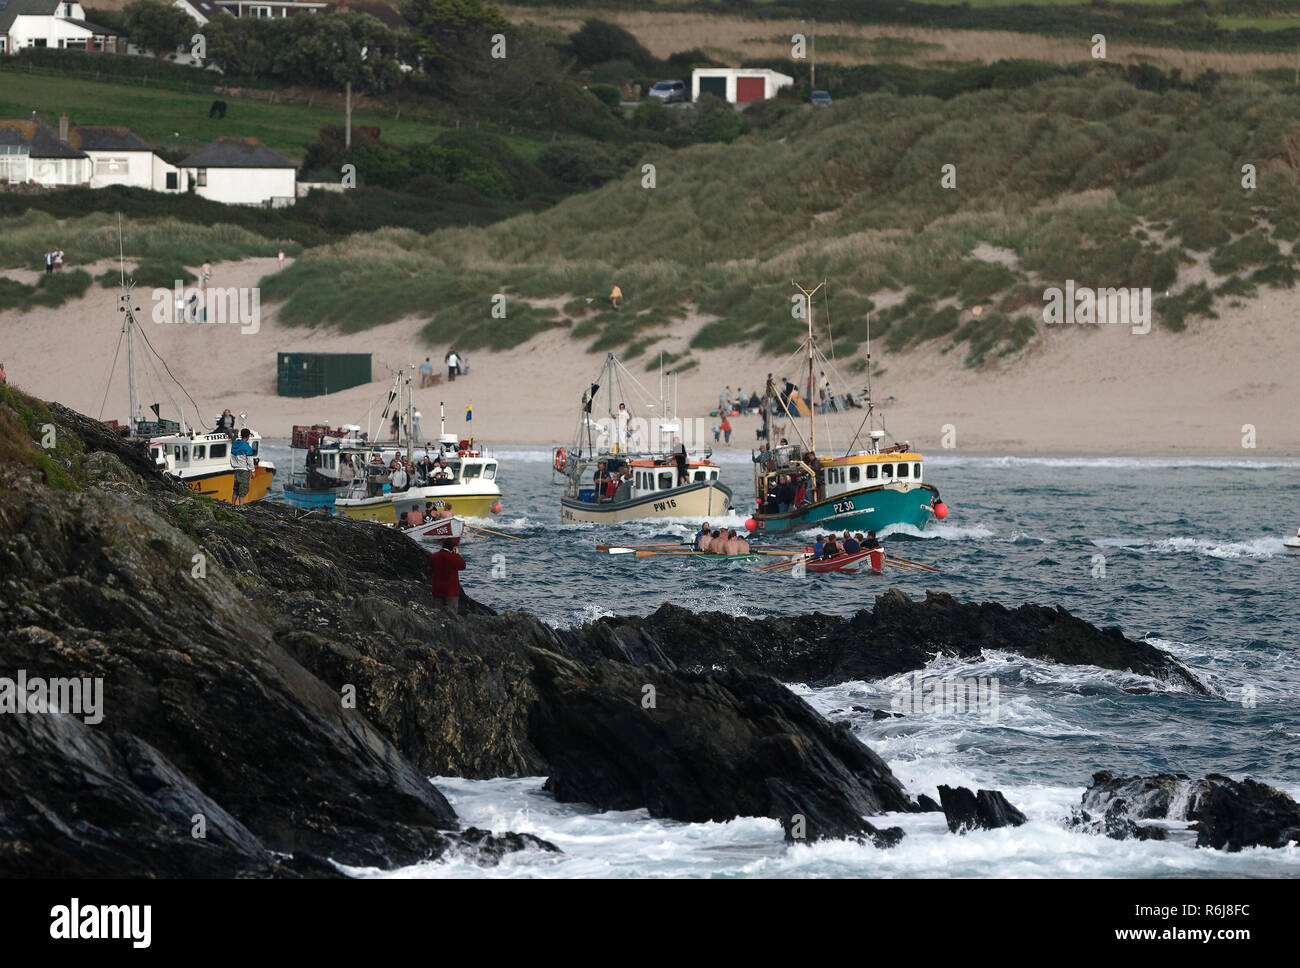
column 985, row 810
column 702, row 747
column 487, row 847
column 1228, row 814
column 926, row 804
column 1241, row 814
column 879, row 714
column 898, row 635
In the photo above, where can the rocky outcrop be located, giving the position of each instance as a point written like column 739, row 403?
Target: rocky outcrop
column 897, row 635
column 1225, row 814
column 985, row 810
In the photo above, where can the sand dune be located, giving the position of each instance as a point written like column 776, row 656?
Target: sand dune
column 1075, row 390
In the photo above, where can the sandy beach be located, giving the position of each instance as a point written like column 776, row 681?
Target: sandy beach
column 1076, row 390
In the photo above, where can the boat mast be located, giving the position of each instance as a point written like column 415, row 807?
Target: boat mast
column 812, row 422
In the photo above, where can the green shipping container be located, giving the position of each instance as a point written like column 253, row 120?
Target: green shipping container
column 316, row 374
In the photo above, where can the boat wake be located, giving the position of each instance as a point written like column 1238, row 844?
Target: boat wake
column 1259, row 548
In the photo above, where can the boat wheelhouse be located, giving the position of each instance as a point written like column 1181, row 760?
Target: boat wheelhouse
column 202, row 463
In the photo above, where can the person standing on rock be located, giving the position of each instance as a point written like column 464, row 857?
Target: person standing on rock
column 447, row 566
column 241, row 459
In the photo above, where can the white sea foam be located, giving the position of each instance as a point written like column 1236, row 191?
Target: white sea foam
column 1261, row 547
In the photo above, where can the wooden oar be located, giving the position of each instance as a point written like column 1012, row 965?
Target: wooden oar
column 499, row 534
column 640, row 553
column 910, row 563
column 910, row 567
column 781, row 564
column 675, row 544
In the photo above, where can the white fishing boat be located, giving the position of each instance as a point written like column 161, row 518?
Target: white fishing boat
column 1292, row 545
column 627, row 468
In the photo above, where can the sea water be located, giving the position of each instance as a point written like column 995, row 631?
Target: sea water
column 1185, row 554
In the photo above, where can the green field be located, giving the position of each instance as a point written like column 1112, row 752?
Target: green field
column 159, row 115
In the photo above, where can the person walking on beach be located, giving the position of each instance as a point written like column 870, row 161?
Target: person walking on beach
column 452, row 359
column 426, row 373
column 49, row 261
column 241, row 459
column 207, row 275
column 280, row 259
column 615, row 295
column 726, row 430
column 447, row 566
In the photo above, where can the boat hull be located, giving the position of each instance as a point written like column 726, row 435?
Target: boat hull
column 699, row 500
column 221, row 484
column 873, row 559
column 466, row 501
column 312, row 497
column 869, row 509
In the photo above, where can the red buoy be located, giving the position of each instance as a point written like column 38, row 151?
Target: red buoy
column 940, row 510
column 751, row 524
column 496, row 507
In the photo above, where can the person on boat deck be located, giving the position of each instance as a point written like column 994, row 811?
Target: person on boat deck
column 226, row 422
column 679, row 457
column 601, row 481
column 871, row 541
column 851, row 546
column 446, row 512
column 785, row 495
column 447, row 566
column 699, row 535
column 399, row 481
column 801, row 493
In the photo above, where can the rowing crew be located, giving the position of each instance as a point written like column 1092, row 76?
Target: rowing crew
column 720, row 542
column 828, row 546
column 415, row 518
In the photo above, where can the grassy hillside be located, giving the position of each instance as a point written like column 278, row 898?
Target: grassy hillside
column 1083, row 178
column 159, row 115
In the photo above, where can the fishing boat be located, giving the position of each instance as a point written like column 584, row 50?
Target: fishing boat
column 437, row 530
column 627, row 468
column 1292, row 545
column 329, row 460
column 873, row 558
column 199, row 459
column 470, row 485
column 868, row 487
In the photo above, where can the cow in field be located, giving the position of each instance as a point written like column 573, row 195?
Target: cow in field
column 218, row 110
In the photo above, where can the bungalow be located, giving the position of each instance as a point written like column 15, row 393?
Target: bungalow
column 119, row 156
column 242, row 171
column 52, row 23
column 31, row 153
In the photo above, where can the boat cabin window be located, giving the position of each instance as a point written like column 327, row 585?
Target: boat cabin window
column 853, row 474
column 713, row 475
column 331, row 460
column 872, row 472
column 886, row 470
column 666, row 480
column 199, row 451
column 699, row 475
column 218, row 450
column 471, row 470
column 489, row 471
column 903, row 470
column 183, row 451
column 916, row 471
column 254, row 444
column 153, row 452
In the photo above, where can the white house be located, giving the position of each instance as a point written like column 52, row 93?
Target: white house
column 204, row 10
column 119, row 156
column 242, row 171
column 53, row 23
column 739, row 85
column 31, row 153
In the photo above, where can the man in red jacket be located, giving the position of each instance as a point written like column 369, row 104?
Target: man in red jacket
column 447, row 566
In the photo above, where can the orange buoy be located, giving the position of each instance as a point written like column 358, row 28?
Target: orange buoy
column 560, row 458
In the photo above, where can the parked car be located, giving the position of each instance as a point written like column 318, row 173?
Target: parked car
column 670, row 92
column 821, row 99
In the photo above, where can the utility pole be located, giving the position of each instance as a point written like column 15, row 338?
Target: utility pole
column 347, row 109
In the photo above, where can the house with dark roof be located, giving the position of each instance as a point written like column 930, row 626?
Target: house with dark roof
column 53, row 23
column 204, row 10
column 119, row 156
column 32, row 153
column 242, row 171
column 90, row 156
